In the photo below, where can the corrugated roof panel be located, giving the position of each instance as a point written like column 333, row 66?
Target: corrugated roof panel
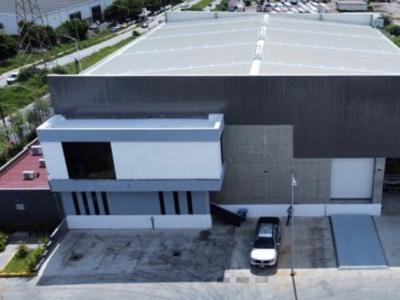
column 295, row 46
column 358, row 62
column 158, row 62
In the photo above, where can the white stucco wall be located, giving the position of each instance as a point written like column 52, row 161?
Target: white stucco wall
column 55, row 161
column 136, row 222
column 167, row 160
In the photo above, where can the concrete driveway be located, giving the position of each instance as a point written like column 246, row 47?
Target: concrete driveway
column 218, row 254
column 140, row 256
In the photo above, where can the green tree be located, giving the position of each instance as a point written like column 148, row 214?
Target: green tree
column 8, row 47
column 37, row 36
column 116, row 12
column 75, row 28
column 17, row 125
column 153, row 4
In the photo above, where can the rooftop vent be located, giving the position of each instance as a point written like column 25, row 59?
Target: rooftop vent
column 29, row 175
column 42, row 163
column 36, row 150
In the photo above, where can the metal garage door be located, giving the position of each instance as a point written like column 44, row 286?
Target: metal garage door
column 352, row 178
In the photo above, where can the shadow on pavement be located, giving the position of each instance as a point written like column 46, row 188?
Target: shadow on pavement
column 119, row 256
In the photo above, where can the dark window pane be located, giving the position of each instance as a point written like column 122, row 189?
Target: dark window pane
column 89, row 160
column 162, row 204
column 176, row 203
column 85, row 203
column 105, row 203
column 76, row 204
column 189, row 202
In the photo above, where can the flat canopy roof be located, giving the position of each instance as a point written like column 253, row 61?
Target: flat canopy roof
column 255, row 44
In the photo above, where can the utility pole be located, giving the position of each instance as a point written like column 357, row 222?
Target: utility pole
column 293, row 184
column 28, row 14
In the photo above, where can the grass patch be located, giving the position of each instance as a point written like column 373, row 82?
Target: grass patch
column 200, row 5
column 15, row 97
column 98, row 56
column 20, row 265
column 56, row 51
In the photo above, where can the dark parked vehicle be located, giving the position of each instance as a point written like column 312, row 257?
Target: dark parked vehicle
column 266, row 242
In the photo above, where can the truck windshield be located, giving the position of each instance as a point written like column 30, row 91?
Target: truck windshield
column 264, row 243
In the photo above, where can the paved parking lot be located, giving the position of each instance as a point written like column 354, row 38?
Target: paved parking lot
column 190, row 264
column 219, row 254
column 141, row 256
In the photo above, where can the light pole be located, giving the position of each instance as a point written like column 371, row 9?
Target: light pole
column 293, row 184
column 77, row 50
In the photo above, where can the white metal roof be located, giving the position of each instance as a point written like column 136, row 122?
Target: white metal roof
column 227, row 46
column 45, row 6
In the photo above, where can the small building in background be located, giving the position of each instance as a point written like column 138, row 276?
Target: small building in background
column 54, row 12
column 26, row 202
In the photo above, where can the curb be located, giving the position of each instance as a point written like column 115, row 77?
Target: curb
column 13, row 275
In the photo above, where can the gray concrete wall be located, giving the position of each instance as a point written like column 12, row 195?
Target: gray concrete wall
column 313, row 178
column 258, row 162
column 379, row 177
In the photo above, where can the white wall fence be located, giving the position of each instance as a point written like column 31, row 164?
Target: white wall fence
column 307, row 210
column 140, row 222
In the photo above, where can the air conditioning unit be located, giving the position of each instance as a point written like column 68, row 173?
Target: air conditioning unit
column 42, row 163
column 29, row 175
column 36, row 150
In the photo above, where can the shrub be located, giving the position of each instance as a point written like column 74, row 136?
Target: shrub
column 8, row 47
column 386, row 20
column 22, row 250
column 393, row 30
column 30, row 72
column 3, row 241
column 59, row 70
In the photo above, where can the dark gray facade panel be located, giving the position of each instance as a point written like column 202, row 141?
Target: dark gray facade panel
column 40, row 206
column 183, row 203
column 201, row 204
column 333, row 116
column 133, row 203
column 128, row 135
column 68, row 204
column 169, row 203
column 64, row 185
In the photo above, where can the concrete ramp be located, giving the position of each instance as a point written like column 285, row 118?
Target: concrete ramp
column 356, row 242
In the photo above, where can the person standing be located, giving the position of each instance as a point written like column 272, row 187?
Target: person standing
column 289, row 214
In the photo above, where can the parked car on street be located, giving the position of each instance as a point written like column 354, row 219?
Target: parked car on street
column 145, row 25
column 12, row 78
column 266, row 242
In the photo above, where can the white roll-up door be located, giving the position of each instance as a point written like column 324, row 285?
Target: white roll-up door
column 352, row 178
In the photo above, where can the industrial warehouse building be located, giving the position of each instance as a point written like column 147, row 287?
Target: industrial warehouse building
column 53, row 13
column 222, row 107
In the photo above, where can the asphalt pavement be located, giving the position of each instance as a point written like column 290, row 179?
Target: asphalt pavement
column 207, row 264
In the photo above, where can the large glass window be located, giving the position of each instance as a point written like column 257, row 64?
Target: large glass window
column 89, row 160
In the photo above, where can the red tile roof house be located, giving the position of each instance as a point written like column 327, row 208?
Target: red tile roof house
column 26, row 201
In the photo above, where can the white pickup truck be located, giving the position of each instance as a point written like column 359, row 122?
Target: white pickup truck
column 266, row 242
